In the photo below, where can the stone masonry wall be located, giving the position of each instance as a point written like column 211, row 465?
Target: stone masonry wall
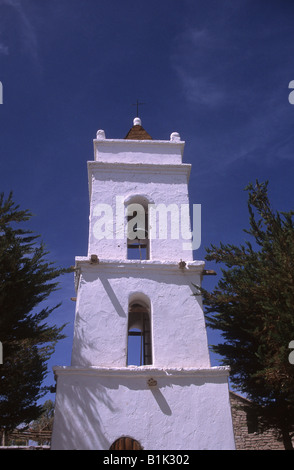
column 247, row 431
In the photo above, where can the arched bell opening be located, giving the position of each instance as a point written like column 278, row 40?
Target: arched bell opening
column 137, row 219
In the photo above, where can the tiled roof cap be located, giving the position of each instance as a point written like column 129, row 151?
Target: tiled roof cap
column 137, row 132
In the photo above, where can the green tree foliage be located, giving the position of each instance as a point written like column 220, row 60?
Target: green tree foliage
column 253, row 306
column 26, row 281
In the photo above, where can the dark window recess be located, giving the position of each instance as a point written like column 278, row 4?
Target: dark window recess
column 139, row 336
column 252, row 421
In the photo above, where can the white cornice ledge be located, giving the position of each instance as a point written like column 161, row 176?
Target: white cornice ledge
column 135, row 142
column 184, row 168
column 115, row 264
column 143, row 371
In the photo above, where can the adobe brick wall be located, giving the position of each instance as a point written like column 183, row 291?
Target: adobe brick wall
column 251, row 438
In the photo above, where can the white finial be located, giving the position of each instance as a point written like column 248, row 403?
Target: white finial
column 175, row 137
column 137, row 121
column 100, row 134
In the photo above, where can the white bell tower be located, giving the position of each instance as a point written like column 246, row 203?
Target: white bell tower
column 140, row 376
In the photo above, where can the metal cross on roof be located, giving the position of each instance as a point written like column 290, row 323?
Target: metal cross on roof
column 137, row 104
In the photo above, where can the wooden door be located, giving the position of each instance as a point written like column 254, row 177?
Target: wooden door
column 125, row 443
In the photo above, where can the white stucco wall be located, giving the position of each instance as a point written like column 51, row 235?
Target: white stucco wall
column 98, row 398
column 101, row 323
column 112, row 184
column 187, row 409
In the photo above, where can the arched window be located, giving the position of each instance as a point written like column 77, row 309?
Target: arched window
column 125, row 443
column 139, row 334
column 137, row 228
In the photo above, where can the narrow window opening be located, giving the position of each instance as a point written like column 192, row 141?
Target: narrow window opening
column 139, row 336
column 252, row 421
column 138, row 240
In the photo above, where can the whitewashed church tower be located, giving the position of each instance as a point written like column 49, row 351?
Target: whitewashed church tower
column 135, row 290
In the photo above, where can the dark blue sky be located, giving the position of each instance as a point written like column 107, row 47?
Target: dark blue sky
column 215, row 71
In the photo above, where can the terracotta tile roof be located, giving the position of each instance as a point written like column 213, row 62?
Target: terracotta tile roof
column 137, row 132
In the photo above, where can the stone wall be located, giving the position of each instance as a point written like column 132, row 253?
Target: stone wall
column 248, row 432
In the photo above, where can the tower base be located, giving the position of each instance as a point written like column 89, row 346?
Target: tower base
column 162, row 409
